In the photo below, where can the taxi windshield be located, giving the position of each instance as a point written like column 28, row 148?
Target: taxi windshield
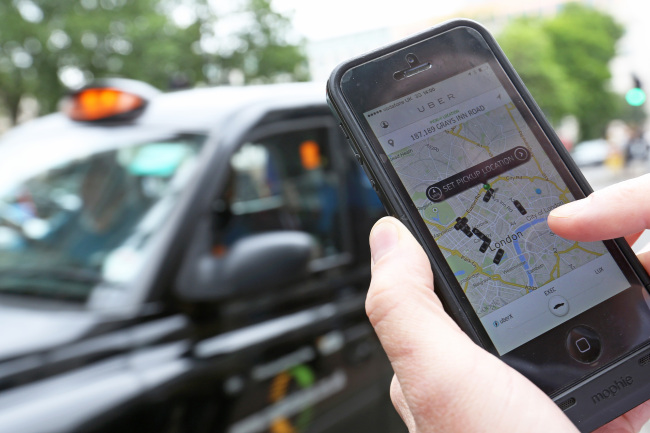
column 87, row 219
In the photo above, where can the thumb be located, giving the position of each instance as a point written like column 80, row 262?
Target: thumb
column 448, row 382
column 401, row 292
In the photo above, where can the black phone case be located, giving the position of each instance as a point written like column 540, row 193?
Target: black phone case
column 599, row 398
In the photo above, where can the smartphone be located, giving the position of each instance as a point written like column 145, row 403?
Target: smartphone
column 458, row 150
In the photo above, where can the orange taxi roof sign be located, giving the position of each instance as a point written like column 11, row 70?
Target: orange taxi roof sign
column 101, row 103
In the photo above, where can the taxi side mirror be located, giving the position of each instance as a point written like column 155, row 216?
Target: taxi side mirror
column 254, row 264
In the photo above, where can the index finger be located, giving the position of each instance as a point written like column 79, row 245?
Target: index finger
column 618, row 210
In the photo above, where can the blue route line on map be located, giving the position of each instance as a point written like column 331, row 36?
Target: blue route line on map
column 526, row 226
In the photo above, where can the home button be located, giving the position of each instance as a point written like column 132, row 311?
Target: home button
column 583, row 344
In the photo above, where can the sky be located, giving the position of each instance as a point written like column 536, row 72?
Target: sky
column 317, row 21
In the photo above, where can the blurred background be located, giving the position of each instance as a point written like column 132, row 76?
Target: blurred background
column 584, row 62
column 140, row 286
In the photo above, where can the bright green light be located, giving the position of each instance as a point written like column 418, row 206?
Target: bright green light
column 635, row 97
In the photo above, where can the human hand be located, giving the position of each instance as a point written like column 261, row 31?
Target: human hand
column 621, row 210
column 443, row 381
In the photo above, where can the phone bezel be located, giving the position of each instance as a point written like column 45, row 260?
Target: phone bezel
column 377, row 68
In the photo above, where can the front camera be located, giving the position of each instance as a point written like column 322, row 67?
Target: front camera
column 415, row 67
column 412, row 59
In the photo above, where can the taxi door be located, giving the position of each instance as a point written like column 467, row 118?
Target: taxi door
column 301, row 357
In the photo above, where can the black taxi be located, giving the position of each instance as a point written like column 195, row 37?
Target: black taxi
column 192, row 261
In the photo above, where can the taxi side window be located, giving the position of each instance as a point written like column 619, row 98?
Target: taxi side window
column 284, row 182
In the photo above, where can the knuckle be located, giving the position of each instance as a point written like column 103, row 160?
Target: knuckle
column 390, row 288
column 380, row 302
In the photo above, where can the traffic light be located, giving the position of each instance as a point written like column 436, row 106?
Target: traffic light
column 635, row 96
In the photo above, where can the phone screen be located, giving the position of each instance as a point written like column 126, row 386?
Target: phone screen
column 484, row 186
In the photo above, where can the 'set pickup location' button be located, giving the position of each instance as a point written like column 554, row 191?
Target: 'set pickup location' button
column 477, row 174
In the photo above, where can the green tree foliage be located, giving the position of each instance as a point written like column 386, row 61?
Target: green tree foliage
column 46, row 44
column 564, row 61
column 262, row 52
column 532, row 52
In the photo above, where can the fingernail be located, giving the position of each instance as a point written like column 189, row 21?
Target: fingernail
column 568, row 210
column 383, row 238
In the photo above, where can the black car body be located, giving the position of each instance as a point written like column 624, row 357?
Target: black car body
column 230, row 297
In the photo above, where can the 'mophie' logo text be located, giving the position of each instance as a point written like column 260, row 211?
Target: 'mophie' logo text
column 612, row 390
